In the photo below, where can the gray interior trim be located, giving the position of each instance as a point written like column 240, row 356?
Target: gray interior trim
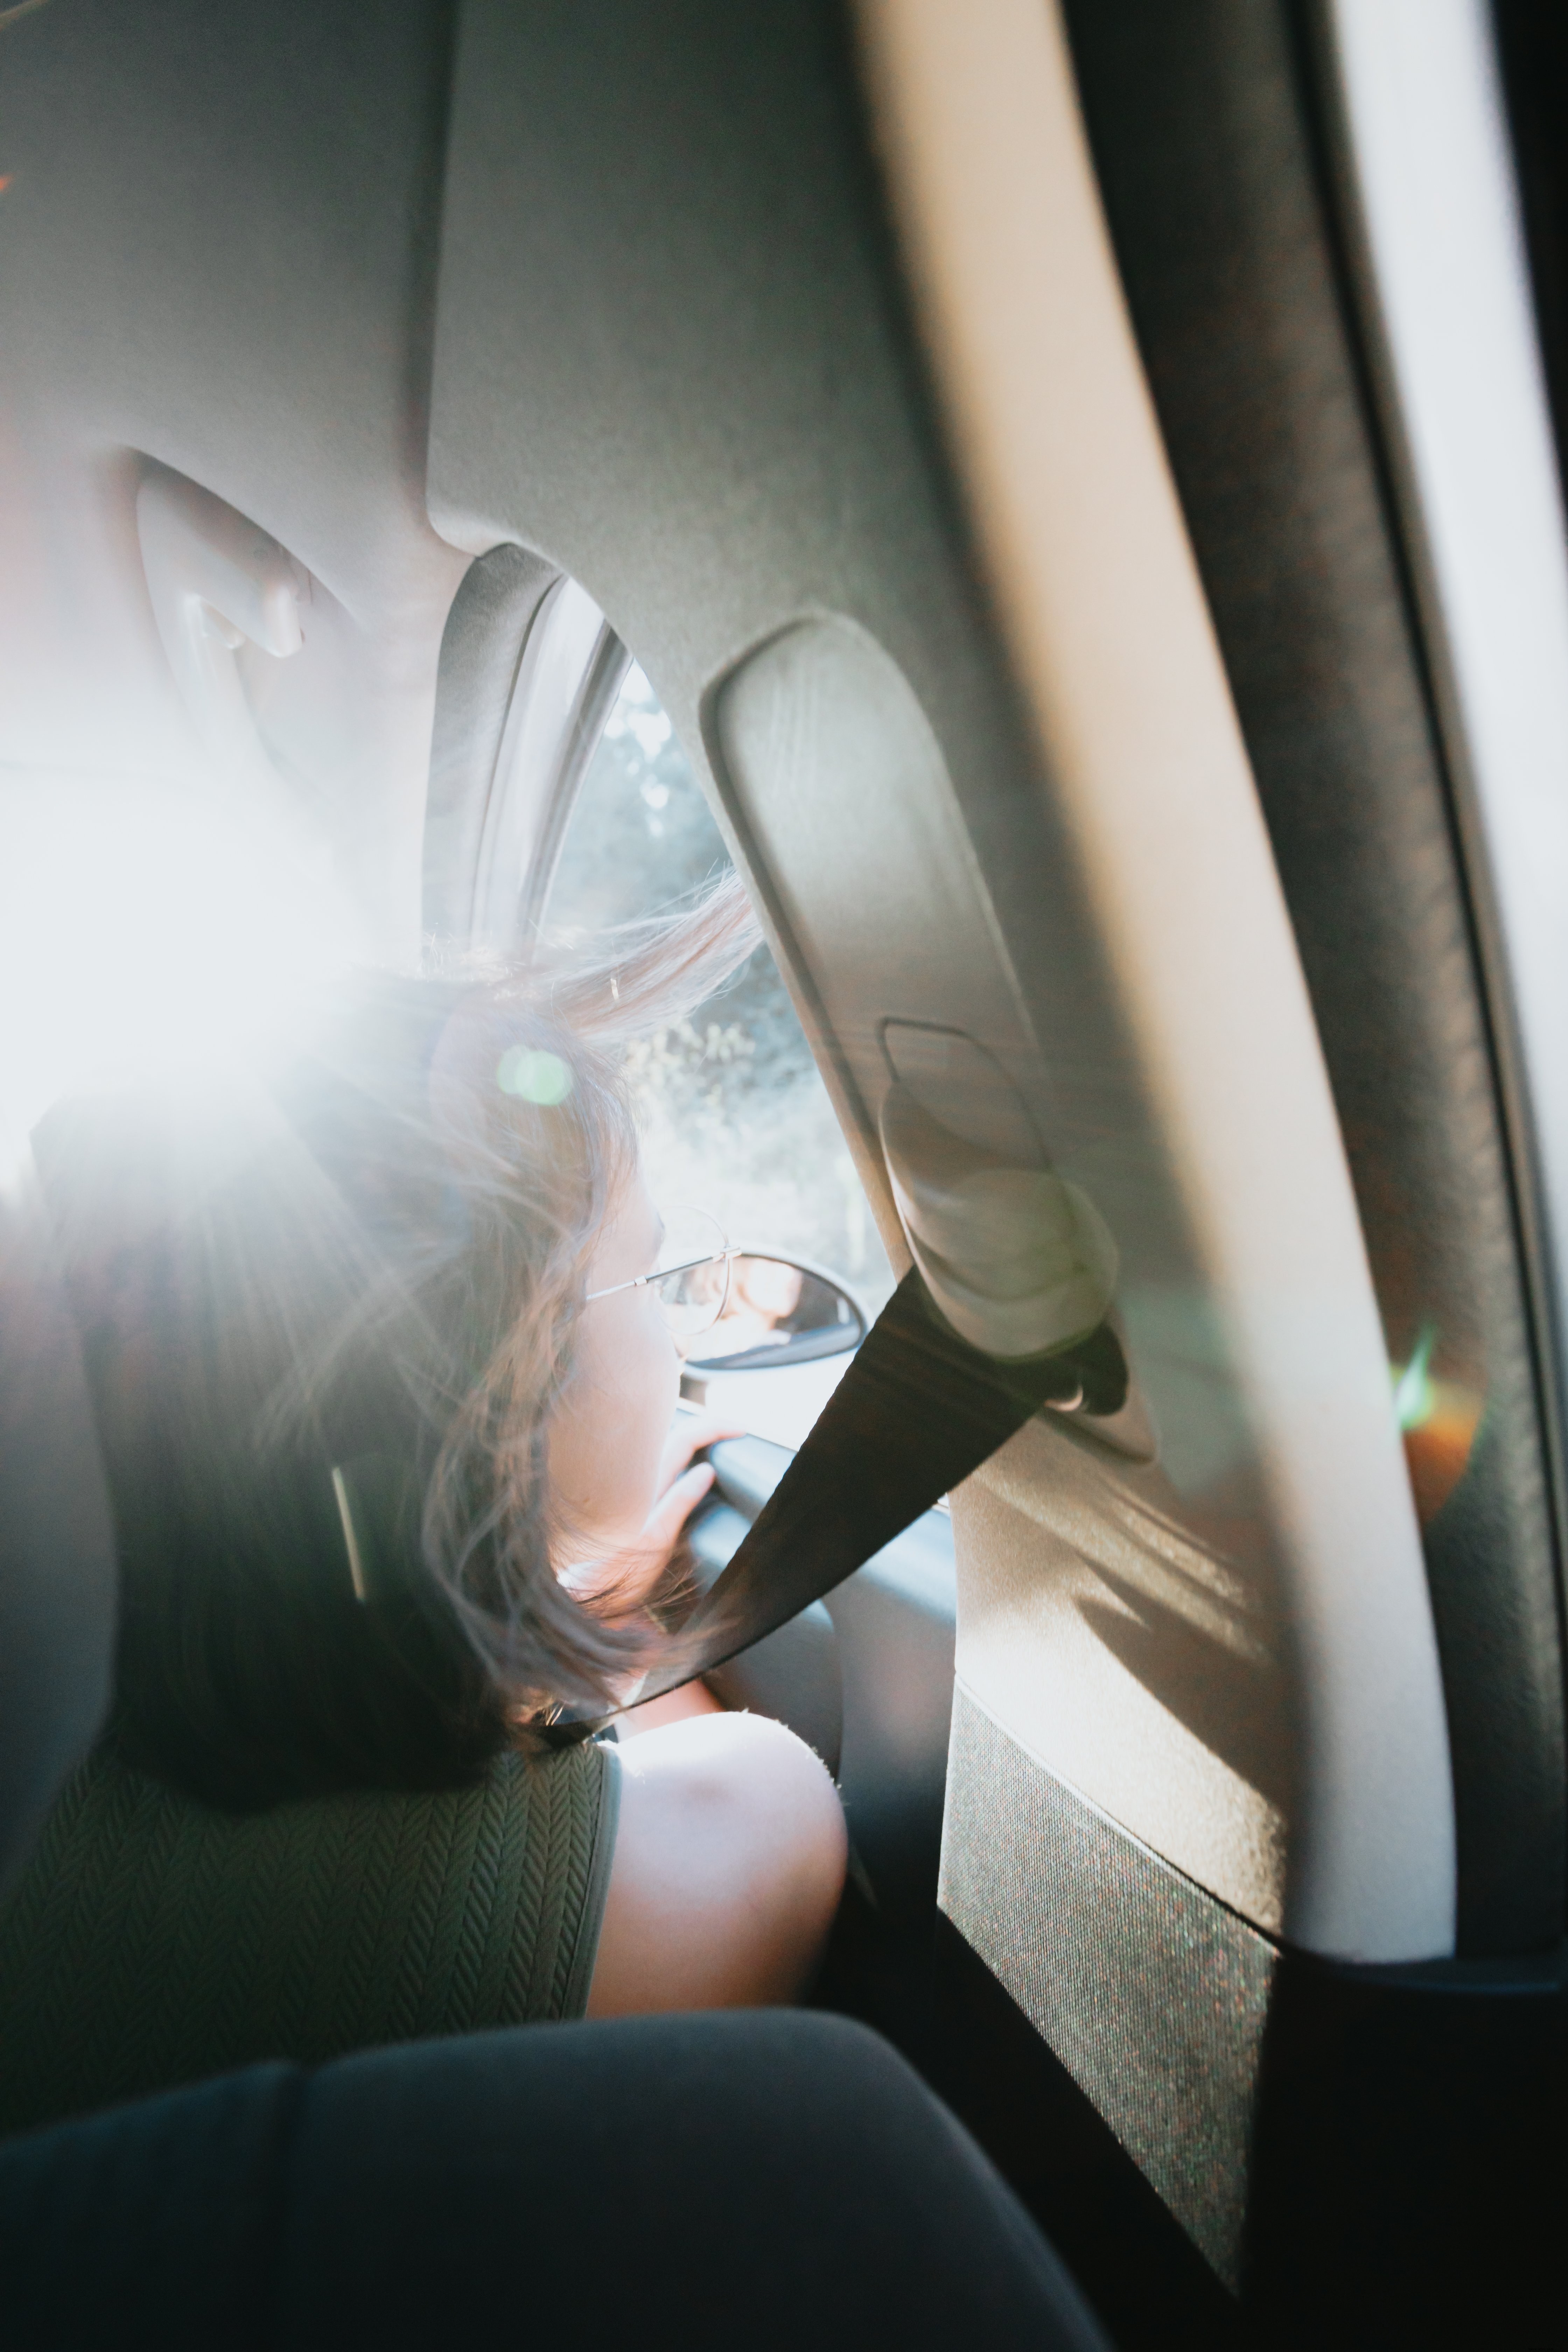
column 219, row 254
column 1097, row 592
column 529, row 674
column 1203, row 135
column 481, row 650
column 601, row 683
column 543, row 735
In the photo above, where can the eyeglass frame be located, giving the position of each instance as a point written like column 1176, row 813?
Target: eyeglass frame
column 722, row 1256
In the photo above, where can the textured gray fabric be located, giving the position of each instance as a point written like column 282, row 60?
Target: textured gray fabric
column 1152, row 1994
column 152, row 1941
column 585, row 1951
column 789, row 2166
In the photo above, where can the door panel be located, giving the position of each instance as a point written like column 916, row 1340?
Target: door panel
column 1203, row 139
column 829, row 393
column 764, row 453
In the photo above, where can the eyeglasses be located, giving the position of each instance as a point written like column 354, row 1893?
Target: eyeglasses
column 692, row 1280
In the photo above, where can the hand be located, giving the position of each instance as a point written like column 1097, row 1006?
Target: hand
column 681, row 1483
column 625, row 1579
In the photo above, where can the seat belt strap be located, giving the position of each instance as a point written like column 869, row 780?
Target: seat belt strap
column 916, row 1412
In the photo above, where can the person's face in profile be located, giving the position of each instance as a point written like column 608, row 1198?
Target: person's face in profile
column 607, row 1437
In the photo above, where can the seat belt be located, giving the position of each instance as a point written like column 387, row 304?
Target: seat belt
column 1005, row 1311
column 918, row 1411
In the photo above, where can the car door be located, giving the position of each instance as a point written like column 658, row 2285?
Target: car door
column 1003, row 441
column 831, row 393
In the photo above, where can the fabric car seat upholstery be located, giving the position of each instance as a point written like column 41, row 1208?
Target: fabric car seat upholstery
column 152, row 1940
column 782, row 2173
column 777, row 2178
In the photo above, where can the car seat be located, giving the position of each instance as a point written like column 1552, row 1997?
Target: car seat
column 783, row 2174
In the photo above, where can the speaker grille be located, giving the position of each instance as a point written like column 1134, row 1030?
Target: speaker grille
column 1152, row 1994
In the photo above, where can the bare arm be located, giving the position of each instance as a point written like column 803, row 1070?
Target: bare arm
column 728, row 1868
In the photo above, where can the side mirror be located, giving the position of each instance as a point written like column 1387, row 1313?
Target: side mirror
column 778, row 1312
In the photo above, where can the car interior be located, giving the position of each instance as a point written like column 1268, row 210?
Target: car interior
column 1066, row 499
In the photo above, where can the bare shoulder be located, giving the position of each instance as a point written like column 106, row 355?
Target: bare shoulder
column 728, row 1868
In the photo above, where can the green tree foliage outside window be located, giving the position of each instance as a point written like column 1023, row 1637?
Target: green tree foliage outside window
column 735, row 1114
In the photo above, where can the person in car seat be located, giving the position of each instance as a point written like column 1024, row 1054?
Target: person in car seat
column 385, row 1410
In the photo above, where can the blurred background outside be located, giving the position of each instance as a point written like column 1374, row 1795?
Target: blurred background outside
column 734, row 1116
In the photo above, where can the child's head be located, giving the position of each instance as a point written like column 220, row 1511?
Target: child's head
column 379, row 1265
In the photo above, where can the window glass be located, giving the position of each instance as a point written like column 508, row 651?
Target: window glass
column 734, row 1116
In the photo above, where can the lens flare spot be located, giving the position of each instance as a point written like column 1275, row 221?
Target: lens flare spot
column 153, row 937
column 1413, row 1388
column 1437, row 1419
column 533, row 1076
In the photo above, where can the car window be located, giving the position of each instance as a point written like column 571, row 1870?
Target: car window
column 733, row 1112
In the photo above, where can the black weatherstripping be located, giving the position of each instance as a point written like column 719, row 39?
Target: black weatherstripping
column 1407, row 2156
column 675, row 352
column 1204, row 130
column 1532, row 45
